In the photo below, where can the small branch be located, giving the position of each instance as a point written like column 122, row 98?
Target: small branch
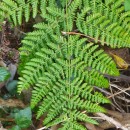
column 7, row 119
column 112, row 121
column 108, row 93
column 121, row 77
column 121, row 91
column 43, row 128
column 74, row 33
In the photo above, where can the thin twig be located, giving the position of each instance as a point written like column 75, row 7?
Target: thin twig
column 43, row 128
column 121, row 77
column 7, row 119
column 108, row 93
column 75, row 33
column 121, row 90
column 115, row 100
column 112, row 121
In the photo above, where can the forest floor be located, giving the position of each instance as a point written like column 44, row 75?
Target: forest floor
column 118, row 112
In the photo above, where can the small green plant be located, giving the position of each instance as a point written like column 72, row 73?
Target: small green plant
column 23, row 119
column 62, row 60
column 4, row 74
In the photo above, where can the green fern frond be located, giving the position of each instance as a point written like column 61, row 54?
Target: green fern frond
column 63, row 69
column 102, row 23
column 56, row 81
column 61, row 59
column 15, row 10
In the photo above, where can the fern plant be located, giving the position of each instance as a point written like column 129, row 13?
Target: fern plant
column 61, row 59
column 16, row 9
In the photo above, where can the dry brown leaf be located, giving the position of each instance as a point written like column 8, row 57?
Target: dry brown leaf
column 11, row 103
column 90, row 126
column 119, row 61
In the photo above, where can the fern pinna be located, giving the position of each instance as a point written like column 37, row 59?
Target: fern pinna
column 61, row 59
column 16, row 9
